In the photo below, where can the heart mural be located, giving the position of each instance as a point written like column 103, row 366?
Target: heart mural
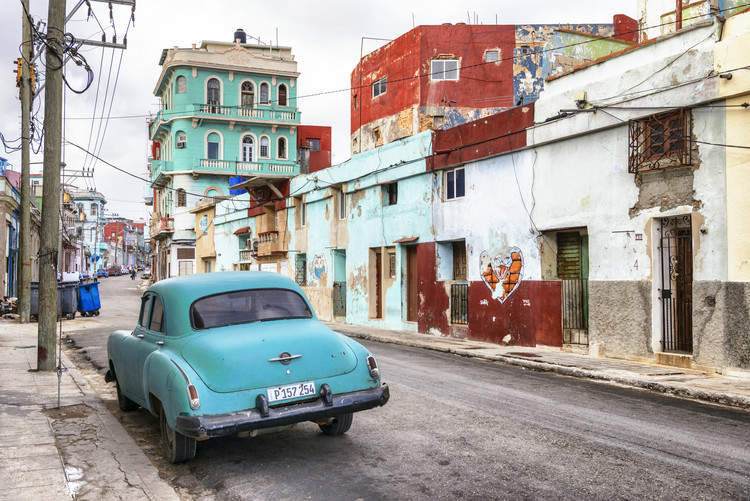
column 502, row 269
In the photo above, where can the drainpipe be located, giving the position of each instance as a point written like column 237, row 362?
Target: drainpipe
column 678, row 15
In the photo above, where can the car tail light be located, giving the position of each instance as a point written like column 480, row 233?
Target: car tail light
column 195, row 402
column 192, row 391
column 373, row 366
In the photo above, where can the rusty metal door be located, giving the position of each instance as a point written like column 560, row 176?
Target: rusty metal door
column 378, row 284
column 676, row 295
column 411, row 284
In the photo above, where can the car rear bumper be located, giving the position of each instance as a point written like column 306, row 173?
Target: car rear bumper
column 219, row 425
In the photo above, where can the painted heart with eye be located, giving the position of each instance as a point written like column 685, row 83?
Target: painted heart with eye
column 505, row 270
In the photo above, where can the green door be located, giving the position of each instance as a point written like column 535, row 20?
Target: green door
column 573, row 272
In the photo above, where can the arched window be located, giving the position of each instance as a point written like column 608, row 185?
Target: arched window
column 282, row 95
column 213, row 94
column 181, row 85
column 247, row 149
column 247, row 95
column 213, row 144
column 264, row 147
column 181, row 198
column 281, row 151
column 264, row 93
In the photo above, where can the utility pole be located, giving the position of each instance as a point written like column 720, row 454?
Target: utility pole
column 24, row 257
column 46, row 356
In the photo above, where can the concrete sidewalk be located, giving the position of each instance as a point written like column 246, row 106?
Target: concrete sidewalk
column 77, row 450
column 732, row 389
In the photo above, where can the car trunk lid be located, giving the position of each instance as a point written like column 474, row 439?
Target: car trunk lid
column 240, row 357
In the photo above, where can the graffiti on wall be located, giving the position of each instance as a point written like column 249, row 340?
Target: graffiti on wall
column 502, row 272
column 319, row 268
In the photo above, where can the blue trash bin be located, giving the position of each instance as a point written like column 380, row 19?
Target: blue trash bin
column 88, row 299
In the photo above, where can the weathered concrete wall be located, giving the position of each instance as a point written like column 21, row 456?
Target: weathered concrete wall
column 620, row 317
column 732, row 53
column 721, row 324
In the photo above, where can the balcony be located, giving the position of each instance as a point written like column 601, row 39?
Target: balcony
column 269, row 243
column 246, row 255
column 262, row 115
column 263, row 167
column 161, row 226
column 160, row 169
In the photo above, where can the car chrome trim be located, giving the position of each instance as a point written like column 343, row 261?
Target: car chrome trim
column 218, row 425
column 285, row 358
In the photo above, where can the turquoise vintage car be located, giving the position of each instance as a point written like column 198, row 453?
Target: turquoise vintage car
column 220, row 354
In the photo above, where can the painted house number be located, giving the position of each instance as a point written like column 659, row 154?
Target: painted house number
column 635, row 265
column 484, row 302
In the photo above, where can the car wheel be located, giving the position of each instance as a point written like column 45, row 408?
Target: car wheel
column 177, row 447
column 339, row 425
column 126, row 405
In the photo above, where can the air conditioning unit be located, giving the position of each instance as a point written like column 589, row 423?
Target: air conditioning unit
column 181, row 145
column 253, row 244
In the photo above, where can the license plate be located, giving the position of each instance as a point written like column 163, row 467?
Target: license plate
column 291, row 391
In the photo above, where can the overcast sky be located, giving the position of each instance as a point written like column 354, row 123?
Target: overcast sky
column 326, row 38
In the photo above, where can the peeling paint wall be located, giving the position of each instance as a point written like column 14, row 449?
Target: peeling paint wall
column 369, row 224
column 583, row 181
column 415, row 102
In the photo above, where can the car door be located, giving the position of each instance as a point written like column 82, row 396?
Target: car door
column 153, row 335
column 130, row 373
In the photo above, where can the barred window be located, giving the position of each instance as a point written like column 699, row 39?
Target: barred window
column 659, row 141
column 300, row 267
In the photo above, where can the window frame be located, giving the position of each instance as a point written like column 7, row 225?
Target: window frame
column 250, row 93
column 379, row 87
column 282, row 150
column 264, row 87
column 218, row 91
column 220, row 144
column 302, row 214
column 313, row 143
column 267, row 147
column 496, row 56
column 181, row 85
column 252, row 148
column 342, row 204
column 435, row 74
column 181, row 197
column 282, row 91
column 450, row 186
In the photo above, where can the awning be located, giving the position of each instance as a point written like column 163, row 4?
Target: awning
column 246, row 229
column 405, row 240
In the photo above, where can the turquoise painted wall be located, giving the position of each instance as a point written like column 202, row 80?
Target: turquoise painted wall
column 370, row 222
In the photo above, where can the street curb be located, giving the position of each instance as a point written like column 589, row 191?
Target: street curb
column 646, row 384
column 137, row 469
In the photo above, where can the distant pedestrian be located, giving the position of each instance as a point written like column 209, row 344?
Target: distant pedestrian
column 132, row 273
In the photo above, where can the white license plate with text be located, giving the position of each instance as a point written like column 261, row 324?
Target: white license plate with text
column 297, row 390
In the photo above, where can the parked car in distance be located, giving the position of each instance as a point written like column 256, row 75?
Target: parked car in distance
column 219, row 354
column 146, row 272
column 85, row 275
column 101, row 272
column 114, row 271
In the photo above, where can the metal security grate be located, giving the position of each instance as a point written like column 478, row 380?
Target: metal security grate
column 663, row 140
column 677, row 284
column 460, row 304
column 574, row 314
column 339, row 298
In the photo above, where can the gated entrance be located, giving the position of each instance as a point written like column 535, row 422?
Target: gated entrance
column 573, row 272
column 339, row 283
column 676, row 252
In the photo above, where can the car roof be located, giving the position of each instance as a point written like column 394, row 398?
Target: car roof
column 179, row 293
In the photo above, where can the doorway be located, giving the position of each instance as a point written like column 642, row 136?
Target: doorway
column 676, row 254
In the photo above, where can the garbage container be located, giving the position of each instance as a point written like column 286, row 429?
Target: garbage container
column 69, row 293
column 34, row 307
column 88, row 299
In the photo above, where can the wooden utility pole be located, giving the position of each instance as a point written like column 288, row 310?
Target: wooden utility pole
column 46, row 356
column 27, row 91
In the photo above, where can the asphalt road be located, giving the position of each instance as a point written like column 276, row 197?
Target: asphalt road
column 458, row 428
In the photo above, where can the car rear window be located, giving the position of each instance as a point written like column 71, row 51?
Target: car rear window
column 247, row 306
